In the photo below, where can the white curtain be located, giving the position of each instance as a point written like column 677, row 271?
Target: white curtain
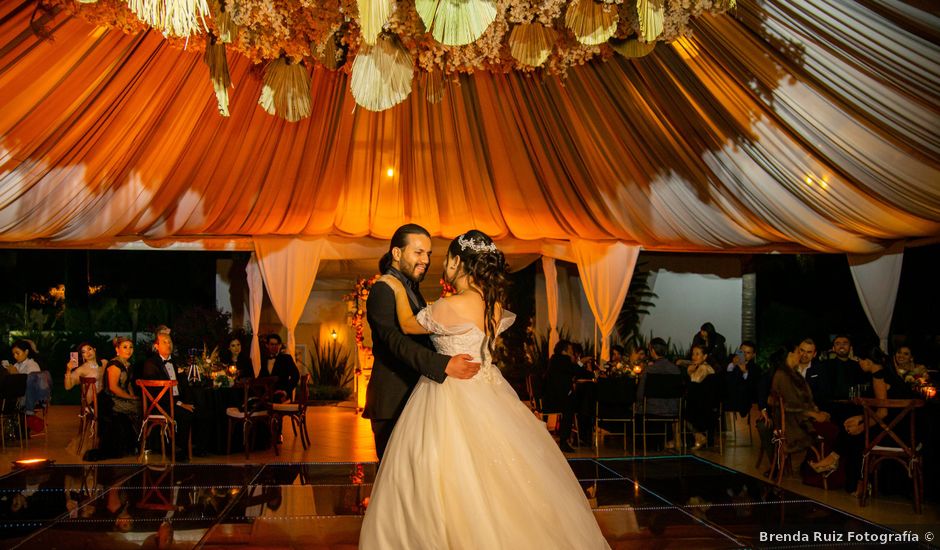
column 606, row 269
column 551, row 296
column 289, row 268
column 876, row 280
column 255, row 297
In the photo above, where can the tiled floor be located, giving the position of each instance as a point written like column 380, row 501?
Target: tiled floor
column 315, row 498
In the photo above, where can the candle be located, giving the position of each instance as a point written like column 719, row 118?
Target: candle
column 930, row 392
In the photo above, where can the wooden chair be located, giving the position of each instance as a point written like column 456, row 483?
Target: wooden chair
column 88, row 413
column 782, row 460
column 155, row 416
column 663, row 386
column 12, row 388
column 877, row 449
column 256, row 407
column 295, row 411
column 616, row 399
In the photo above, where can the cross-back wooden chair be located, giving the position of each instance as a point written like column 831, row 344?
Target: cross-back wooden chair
column 156, row 416
column 890, row 445
column 88, row 414
column 296, row 411
column 782, row 460
column 256, row 406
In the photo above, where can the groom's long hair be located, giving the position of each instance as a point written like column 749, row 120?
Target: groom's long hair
column 399, row 240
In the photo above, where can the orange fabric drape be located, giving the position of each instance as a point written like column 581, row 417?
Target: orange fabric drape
column 783, row 127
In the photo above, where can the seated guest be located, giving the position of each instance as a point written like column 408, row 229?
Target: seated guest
column 804, row 420
column 279, row 363
column 89, row 367
column 637, row 358
column 25, row 357
column 884, row 384
column 616, row 361
column 742, row 379
column 906, row 367
column 242, row 361
column 558, row 391
column 701, row 396
column 666, row 407
column 844, row 373
column 713, row 343
column 118, row 407
column 160, row 365
column 821, row 380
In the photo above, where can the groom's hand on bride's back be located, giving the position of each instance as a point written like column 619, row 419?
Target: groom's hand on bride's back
column 461, row 366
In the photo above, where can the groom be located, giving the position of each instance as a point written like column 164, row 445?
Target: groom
column 401, row 359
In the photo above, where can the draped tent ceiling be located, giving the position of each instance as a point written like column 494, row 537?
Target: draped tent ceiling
column 778, row 126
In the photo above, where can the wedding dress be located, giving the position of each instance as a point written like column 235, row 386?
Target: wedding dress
column 468, row 466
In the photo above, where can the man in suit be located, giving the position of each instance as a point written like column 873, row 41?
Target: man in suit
column 161, row 365
column 559, row 393
column 401, row 359
column 664, row 407
column 279, row 363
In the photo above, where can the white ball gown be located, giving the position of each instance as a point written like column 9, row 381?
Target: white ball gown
column 468, row 466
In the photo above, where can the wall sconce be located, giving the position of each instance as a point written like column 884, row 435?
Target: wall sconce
column 333, row 334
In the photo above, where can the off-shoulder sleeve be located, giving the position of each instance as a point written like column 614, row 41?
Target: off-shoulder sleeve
column 426, row 320
column 508, row 319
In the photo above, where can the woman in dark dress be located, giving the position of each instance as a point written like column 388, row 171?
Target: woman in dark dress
column 118, row 407
column 238, row 356
column 702, row 396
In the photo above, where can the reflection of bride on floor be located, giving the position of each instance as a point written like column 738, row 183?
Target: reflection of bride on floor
column 468, row 465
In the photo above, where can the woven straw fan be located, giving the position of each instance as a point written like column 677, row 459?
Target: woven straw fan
column 373, row 14
column 651, row 19
column 531, row 43
column 592, row 23
column 286, row 91
column 632, row 47
column 172, row 17
column 456, row 22
column 225, row 28
column 218, row 73
column 382, row 74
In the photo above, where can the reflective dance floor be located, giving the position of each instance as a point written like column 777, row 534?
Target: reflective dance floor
column 655, row 502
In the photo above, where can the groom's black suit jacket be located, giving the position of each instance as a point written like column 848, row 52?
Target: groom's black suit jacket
column 400, row 359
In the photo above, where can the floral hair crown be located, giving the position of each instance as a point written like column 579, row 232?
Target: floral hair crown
column 475, row 246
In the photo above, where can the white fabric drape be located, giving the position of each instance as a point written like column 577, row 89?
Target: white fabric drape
column 606, row 269
column 876, row 280
column 551, row 296
column 255, row 298
column 289, row 268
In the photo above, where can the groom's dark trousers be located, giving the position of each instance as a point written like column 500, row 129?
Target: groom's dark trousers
column 400, row 359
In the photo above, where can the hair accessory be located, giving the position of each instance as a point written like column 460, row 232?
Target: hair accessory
column 466, row 243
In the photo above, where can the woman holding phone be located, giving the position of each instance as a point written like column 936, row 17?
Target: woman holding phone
column 83, row 364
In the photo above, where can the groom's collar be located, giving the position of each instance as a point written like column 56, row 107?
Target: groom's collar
column 401, row 277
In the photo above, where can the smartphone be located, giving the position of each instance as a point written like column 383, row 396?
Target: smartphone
column 73, row 358
column 740, row 354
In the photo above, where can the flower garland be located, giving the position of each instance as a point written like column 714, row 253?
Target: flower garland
column 356, row 310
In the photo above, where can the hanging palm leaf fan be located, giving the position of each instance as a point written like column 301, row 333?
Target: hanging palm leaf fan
column 172, row 17
column 592, row 23
column 456, row 22
column 373, row 14
column 434, row 86
column 632, row 47
column 225, row 27
column 650, row 13
column 382, row 74
column 218, row 72
column 286, row 91
column 531, row 43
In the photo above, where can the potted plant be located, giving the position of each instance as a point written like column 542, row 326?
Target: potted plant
column 331, row 372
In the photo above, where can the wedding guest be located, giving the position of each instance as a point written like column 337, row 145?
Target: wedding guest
column 89, row 367
column 161, row 365
column 25, row 357
column 742, row 379
column 713, row 342
column 616, row 361
column 279, row 363
column 558, row 392
column 905, row 365
column 665, row 407
column 240, row 358
column 701, row 396
column 118, row 406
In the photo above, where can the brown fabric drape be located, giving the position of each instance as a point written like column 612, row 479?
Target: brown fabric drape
column 808, row 125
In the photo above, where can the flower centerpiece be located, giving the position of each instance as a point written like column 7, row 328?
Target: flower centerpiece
column 222, row 379
column 205, row 365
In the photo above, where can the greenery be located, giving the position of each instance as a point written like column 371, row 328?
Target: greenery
column 332, row 371
column 636, row 303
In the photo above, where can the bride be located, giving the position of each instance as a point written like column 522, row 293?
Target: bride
column 468, row 465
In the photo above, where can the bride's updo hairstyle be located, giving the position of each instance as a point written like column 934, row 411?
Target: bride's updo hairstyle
column 486, row 266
